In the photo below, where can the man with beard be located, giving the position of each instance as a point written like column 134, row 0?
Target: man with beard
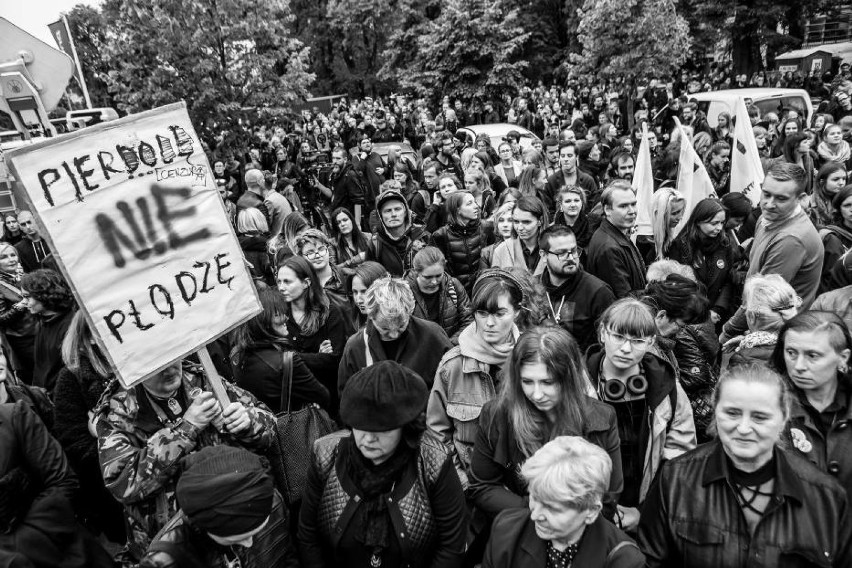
column 551, row 155
column 397, row 239
column 448, row 160
column 346, row 190
column 32, row 249
column 577, row 299
column 622, row 165
column 612, row 256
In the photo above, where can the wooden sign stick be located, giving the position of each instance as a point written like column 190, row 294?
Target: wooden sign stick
column 213, row 377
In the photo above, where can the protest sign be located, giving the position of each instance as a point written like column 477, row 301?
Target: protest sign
column 131, row 210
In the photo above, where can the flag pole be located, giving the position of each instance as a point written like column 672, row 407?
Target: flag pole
column 77, row 63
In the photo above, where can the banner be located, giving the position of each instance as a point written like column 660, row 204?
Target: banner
column 131, row 210
column 643, row 185
column 62, row 36
column 746, row 169
column 693, row 181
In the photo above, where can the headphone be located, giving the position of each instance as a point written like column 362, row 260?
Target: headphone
column 613, row 389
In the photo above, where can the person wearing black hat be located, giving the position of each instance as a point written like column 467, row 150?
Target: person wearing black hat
column 229, row 513
column 386, row 493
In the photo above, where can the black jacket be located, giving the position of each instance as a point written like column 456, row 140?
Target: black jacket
column 260, row 371
column 614, row 258
column 577, row 304
column 584, row 180
column 50, row 331
column 462, row 247
column 515, row 544
column 254, row 249
column 346, row 190
column 396, row 253
column 454, row 313
column 31, row 254
column 712, row 268
column 691, row 517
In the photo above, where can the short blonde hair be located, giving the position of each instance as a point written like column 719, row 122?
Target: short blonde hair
column 765, row 292
column 660, row 269
column 389, row 299
column 569, row 471
column 250, row 220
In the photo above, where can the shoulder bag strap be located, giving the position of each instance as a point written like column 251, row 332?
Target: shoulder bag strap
column 616, row 548
column 367, row 355
column 286, row 377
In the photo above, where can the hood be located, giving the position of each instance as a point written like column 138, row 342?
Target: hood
column 393, row 195
column 659, row 372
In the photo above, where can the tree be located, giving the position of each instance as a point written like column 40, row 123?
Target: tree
column 631, row 37
column 472, row 49
column 90, row 37
column 230, row 60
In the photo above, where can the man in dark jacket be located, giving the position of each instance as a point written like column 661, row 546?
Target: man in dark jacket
column 32, row 249
column 398, row 239
column 569, row 174
column 346, row 189
column 577, row 299
column 612, row 256
column 371, row 167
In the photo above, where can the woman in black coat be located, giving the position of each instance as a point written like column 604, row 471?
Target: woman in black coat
column 704, row 245
column 253, row 234
column 462, row 239
column 16, row 321
column 257, row 360
column 79, row 386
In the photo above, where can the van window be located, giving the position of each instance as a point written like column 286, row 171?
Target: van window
column 783, row 104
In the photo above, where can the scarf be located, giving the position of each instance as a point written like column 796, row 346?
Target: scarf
column 756, row 339
column 840, row 154
column 375, row 483
column 472, row 345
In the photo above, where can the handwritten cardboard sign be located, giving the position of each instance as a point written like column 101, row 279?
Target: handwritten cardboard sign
column 130, row 208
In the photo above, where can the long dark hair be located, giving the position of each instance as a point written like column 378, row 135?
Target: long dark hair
column 698, row 242
column 316, row 301
column 558, row 351
column 358, row 237
column 260, row 329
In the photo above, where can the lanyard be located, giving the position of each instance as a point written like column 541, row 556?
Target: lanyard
column 557, row 314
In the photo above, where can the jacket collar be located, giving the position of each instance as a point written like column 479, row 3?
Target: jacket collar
column 659, row 373
column 786, row 481
column 613, row 231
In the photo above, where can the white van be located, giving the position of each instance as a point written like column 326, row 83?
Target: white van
column 766, row 100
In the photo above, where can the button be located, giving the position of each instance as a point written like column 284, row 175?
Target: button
column 833, row 467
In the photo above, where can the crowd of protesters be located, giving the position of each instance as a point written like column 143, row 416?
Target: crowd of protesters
column 518, row 379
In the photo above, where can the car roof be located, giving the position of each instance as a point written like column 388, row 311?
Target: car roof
column 750, row 93
column 499, row 129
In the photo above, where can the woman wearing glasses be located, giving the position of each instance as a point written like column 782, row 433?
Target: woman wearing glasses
column 545, row 394
column 317, row 249
column 653, row 413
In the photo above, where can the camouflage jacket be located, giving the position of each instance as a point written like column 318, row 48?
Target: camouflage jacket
column 140, row 451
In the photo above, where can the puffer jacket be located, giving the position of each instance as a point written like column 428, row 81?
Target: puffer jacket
column 426, row 508
column 462, row 246
column 454, row 313
column 692, row 517
column 696, row 349
column 396, row 253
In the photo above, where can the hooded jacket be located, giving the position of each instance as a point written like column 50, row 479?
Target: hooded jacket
column 395, row 253
column 454, row 313
column 577, row 303
column 671, row 431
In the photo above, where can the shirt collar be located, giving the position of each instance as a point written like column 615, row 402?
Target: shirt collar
column 786, row 481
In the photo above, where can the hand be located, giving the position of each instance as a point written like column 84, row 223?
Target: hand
column 22, row 305
column 236, row 418
column 203, row 410
column 92, row 424
column 436, row 198
column 380, row 171
column 325, row 347
column 715, row 317
column 629, row 517
column 732, row 344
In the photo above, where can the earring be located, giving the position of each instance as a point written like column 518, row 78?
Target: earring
column 842, row 368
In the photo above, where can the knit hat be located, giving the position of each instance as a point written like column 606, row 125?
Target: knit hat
column 225, row 491
column 384, row 396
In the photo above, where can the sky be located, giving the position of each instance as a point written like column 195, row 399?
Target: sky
column 33, row 16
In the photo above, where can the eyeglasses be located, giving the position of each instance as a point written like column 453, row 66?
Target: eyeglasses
column 316, row 253
column 794, row 304
column 635, row 342
column 565, row 254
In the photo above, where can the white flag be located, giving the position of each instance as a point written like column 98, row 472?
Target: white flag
column 746, row 171
column 643, row 185
column 693, row 181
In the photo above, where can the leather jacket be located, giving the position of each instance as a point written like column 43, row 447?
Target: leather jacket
column 692, row 517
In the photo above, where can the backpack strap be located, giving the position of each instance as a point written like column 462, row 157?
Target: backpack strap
column 621, row 545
